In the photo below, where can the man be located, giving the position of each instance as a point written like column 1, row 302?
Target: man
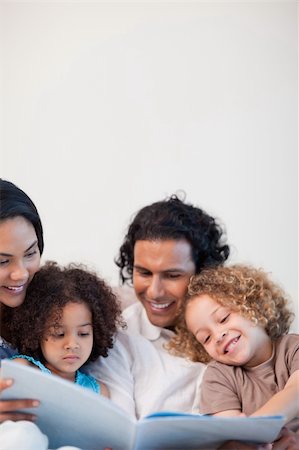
column 166, row 243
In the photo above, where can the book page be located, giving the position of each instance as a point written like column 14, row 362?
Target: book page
column 70, row 414
column 73, row 415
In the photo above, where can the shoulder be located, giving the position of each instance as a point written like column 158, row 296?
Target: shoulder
column 287, row 349
column 23, row 361
column 6, row 350
column 215, row 367
column 287, row 343
column 132, row 312
column 218, row 373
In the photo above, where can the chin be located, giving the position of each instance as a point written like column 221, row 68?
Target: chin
column 11, row 304
column 160, row 322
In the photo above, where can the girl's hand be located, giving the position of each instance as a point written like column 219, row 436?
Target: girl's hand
column 8, row 408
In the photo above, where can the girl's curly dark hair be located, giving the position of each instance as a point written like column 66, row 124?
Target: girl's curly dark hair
column 243, row 289
column 49, row 291
column 174, row 219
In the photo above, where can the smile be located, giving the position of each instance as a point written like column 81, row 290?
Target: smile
column 231, row 345
column 160, row 306
column 15, row 289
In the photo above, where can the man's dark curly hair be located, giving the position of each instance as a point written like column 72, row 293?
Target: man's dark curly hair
column 50, row 290
column 172, row 218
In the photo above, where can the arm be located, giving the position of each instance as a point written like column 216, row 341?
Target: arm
column 104, row 390
column 285, row 402
column 230, row 413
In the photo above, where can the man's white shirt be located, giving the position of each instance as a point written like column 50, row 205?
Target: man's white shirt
column 142, row 376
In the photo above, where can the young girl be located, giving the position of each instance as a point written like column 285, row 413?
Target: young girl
column 68, row 318
column 238, row 318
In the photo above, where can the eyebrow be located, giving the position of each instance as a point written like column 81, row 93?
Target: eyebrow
column 171, row 269
column 217, row 309
column 27, row 250
column 202, row 328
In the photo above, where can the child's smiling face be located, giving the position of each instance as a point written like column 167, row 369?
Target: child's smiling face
column 67, row 347
column 227, row 336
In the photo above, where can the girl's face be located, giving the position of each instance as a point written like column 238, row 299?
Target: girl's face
column 227, row 336
column 19, row 259
column 67, row 347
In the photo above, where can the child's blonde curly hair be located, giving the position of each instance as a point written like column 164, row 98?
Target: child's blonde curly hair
column 243, row 289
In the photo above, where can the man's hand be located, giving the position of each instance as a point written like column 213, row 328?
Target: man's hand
column 236, row 445
column 288, row 440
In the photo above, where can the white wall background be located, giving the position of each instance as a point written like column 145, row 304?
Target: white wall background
column 109, row 106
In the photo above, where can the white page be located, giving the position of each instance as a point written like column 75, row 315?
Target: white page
column 70, row 414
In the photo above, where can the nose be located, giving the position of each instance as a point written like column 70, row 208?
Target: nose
column 71, row 343
column 19, row 272
column 155, row 288
column 221, row 336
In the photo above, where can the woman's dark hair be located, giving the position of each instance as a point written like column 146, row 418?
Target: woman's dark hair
column 14, row 202
column 174, row 219
column 51, row 289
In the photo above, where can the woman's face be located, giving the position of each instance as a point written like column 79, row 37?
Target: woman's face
column 19, row 259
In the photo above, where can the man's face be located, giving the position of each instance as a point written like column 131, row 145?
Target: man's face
column 161, row 274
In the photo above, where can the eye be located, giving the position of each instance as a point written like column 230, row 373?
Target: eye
column 4, row 261
column 172, row 276
column 206, row 339
column 30, row 254
column 56, row 335
column 84, row 334
column 143, row 272
column 224, row 319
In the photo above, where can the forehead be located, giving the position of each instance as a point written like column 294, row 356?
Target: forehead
column 202, row 302
column 16, row 232
column 201, row 308
column 164, row 254
column 72, row 312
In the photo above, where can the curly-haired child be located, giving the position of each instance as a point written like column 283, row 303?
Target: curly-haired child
column 68, row 319
column 238, row 319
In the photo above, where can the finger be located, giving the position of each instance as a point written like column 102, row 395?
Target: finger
column 13, row 405
column 5, row 383
column 15, row 417
column 286, row 443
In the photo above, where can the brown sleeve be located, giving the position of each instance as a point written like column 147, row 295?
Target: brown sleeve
column 292, row 352
column 218, row 391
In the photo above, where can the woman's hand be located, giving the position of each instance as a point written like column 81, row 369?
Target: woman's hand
column 8, row 408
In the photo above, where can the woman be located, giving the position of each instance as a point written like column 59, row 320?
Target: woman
column 21, row 246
